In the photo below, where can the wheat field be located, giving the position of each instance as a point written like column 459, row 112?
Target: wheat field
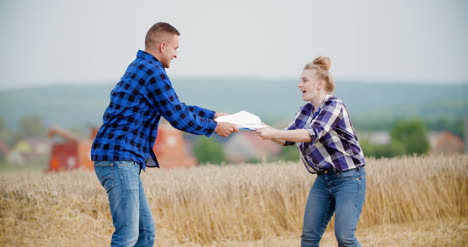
column 410, row 201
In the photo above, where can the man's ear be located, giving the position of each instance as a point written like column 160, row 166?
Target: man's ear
column 162, row 46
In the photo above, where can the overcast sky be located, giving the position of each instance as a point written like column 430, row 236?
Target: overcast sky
column 88, row 41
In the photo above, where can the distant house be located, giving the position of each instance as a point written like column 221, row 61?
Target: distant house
column 72, row 152
column 446, row 143
column 69, row 151
column 376, row 137
column 4, row 149
column 247, row 146
column 171, row 148
column 28, row 149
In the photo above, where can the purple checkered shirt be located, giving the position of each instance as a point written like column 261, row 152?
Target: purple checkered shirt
column 334, row 144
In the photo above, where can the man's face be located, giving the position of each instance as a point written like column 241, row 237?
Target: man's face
column 169, row 50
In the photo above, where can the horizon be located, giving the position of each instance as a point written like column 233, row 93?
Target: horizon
column 74, row 83
column 380, row 100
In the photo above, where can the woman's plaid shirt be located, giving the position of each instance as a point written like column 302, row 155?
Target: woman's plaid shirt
column 334, row 144
column 137, row 102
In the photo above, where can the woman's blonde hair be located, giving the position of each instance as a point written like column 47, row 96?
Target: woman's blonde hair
column 321, row 66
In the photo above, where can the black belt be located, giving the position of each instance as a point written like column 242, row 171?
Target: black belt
column 334, row 171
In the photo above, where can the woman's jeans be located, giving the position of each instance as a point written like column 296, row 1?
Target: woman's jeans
column 334, row 192
column 131, row 214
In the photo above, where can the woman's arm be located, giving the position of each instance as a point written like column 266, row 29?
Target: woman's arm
column 322, row 124
column 279, row 141
column 280, row 136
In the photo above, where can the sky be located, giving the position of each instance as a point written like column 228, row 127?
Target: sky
column 76, row 42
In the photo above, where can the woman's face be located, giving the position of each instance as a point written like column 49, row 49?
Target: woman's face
column 309, row 85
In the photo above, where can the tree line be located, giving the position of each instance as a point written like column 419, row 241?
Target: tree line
column 407, row 136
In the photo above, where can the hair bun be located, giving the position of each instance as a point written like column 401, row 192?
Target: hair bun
column 323, row 62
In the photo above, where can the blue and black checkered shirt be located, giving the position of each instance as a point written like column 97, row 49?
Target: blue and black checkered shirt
column 137, row 102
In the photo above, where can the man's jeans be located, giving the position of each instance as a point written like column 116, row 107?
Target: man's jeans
column 339, row 193
column 131, row 214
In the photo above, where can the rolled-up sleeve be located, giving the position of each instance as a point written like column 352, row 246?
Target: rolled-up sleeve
column 325, row 120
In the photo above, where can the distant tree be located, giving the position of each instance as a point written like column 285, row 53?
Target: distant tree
column 2, row 124
column 366, row 124
column 6, row 134
column 207, row 150
column 254, row 161
column 367, row 147
column 412, row 134
column 2, row 134
column 32, row 125
column 289, row 153
column 382, row 150
column 454, row 125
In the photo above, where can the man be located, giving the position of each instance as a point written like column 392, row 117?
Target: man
column 123, row 145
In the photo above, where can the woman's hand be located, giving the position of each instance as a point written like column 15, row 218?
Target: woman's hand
column 267, row 133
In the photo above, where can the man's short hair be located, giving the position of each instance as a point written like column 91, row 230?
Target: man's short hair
column 157, row 31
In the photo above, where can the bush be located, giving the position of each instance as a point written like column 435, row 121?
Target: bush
column 407, row 137
column 208, row 151
column 382, row 150
column 289, row 153
column 412, row 134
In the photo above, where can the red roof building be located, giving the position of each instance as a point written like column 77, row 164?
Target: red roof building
column 447, row 143
column 247, row 146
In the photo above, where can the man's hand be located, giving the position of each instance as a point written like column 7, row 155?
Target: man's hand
column 225, row 129
column 266, row 133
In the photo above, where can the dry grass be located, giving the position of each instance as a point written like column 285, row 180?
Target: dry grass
column 411, row 201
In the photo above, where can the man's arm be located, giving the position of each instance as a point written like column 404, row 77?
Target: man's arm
column 202, row 112
column 163, row 96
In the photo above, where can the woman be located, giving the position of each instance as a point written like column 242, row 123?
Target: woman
column 328, row 147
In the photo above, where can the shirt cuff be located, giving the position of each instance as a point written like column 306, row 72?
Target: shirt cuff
column 312, row 134
column 210, row 114
column 211, row 127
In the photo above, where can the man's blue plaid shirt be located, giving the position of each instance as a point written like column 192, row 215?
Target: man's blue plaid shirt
column 137, row 102
column 333, row 145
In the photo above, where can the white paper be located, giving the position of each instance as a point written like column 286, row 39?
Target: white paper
column 243, row 120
